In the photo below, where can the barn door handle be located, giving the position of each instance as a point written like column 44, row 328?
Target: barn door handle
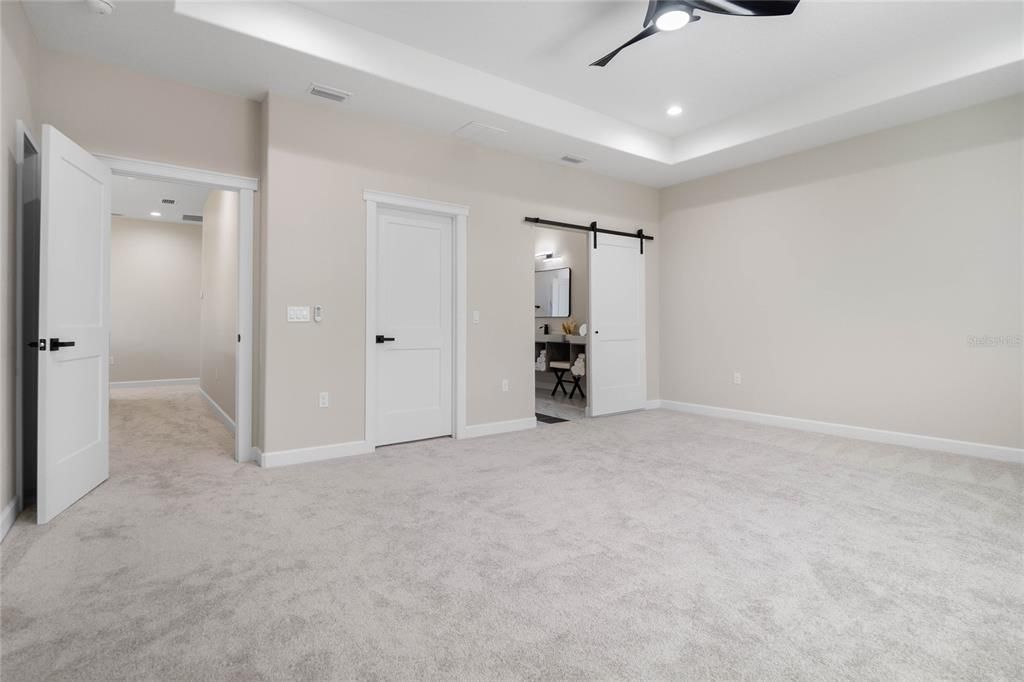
column 381, row 338
column 57, row 344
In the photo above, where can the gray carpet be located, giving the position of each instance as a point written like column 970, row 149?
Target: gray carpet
column 652, row 545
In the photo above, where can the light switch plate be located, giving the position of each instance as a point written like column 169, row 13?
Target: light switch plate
column 298, row 313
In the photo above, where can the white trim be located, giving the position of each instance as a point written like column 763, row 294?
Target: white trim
column 318, row 453
column 461, row 343
column 10, row 513
column 221, row 414
column 494, row 428
column 912, row 440
column 244, row 317
column 460, row 218
column 155, row 383
column 152, row 170
column 653, row 405
column 246, row 187
column 414, row 203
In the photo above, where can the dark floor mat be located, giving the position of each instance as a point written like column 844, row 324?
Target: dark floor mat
column 548, row 419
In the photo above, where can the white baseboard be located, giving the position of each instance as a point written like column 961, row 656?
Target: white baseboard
column 912, row 440
column 155, row 383
column 7, row 518
column 653, row 405
column 492, row 428
column 317, row 453
column 221, row 414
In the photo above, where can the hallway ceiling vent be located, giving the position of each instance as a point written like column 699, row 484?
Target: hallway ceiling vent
column 478, row 132
column 333, row 94
column 167, row 201
column 568, row 158
column 188, row 217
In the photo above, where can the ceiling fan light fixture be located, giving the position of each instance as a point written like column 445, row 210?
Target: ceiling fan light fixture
column 672, row 20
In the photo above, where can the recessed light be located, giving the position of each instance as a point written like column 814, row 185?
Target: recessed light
column 674, row 110
column 155, row 214
column 672, row 20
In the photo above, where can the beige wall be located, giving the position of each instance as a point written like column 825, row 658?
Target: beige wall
column 572, row 247
column 154, row 282
column 113, row 110
column 319, row 162
column 18, row 73
column 844, row 282
column 218, row 317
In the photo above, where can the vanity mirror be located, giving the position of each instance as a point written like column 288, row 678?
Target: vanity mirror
column 552, row 290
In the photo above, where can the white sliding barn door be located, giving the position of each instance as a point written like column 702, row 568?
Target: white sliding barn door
column 74, row 324
column 617, row 357
column 414, row 326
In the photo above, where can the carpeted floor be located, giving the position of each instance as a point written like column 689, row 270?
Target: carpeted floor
column 652, row 545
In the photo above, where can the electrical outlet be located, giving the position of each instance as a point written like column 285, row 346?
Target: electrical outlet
column 504, row 385
column 737, row 378
column 323, row 398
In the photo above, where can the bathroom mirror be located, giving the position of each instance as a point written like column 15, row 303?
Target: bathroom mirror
column 551, row 289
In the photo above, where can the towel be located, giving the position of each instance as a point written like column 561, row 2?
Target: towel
column 579, row 368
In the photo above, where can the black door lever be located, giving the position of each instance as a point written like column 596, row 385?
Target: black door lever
column 57, row 344
column 381, row 338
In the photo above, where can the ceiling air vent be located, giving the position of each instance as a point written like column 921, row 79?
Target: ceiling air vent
column 333, row 94
column 568, row 158
column 167, row 201
column 192, row 218
column 478, row 132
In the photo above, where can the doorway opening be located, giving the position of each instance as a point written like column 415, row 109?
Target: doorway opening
column 174, row 303
column 561, row 311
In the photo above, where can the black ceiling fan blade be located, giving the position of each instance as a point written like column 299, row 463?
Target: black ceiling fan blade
column 746, row 8
column 646, row 33
column 651, row 6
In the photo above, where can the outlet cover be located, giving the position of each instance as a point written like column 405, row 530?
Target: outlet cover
column 737, row 378
column 323, row 398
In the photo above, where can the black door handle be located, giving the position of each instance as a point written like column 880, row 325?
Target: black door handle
column 57, row 344
column 381, row 338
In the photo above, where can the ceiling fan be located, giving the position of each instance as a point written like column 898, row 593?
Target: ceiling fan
column 671, row 15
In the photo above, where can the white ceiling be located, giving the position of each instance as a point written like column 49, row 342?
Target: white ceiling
column 138, row 198
column 717, row 68
column 751, row 88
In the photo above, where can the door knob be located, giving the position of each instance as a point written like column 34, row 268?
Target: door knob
column 57, row 344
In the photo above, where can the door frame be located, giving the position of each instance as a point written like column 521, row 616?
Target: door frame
column 459, row 216
column 22, row 133
column 246, row 188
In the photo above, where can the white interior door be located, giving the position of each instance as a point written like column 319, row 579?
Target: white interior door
column 617, row 355
column 74, row 323
column 414, row 326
